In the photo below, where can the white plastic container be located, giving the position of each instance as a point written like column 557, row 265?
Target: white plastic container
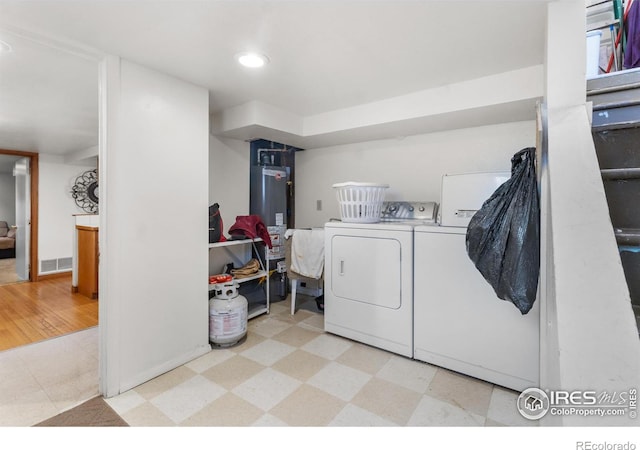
column 360, row 202
column 228, row 315
column 593, row 52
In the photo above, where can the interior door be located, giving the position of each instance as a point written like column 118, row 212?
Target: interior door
column 22, row 176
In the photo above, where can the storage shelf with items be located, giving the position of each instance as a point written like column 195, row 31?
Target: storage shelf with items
column 611, row 36
column 240, row 253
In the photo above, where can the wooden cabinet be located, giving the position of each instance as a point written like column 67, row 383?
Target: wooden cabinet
column 87, row 261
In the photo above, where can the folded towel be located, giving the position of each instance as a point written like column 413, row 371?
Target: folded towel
column 307, row 252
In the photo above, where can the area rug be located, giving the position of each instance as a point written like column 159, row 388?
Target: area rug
column 92, row 413
column 8, row 271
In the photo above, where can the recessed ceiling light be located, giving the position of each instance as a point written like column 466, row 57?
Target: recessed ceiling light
column 252, row 60
column 5, row 47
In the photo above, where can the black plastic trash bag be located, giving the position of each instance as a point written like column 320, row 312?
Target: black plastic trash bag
column 503, row 237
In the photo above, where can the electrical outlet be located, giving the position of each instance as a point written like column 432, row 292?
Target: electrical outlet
column 318, row 205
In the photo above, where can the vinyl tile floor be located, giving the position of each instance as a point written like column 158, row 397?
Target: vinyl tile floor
column 287, row 372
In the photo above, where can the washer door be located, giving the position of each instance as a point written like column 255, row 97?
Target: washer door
column 367, row 270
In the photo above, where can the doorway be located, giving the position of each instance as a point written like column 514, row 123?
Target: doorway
column 43, row 306
column 26, row 206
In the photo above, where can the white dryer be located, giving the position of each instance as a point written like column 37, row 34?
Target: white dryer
column 459, row 322
column 369, row 284
column 369, row 277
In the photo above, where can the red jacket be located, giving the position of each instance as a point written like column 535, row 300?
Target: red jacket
column 252, row 227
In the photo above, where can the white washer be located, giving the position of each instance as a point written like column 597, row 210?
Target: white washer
column 459, row 322
column 369, row 276
column 369, row 284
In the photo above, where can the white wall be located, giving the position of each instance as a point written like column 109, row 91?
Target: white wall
column 229, row 186
column 8, row 198
column 56, row 206
column 229, row 178
column 154, row 182
column 589, row 313
column 413, row 166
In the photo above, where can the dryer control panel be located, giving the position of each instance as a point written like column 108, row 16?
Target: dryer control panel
column 424, row 212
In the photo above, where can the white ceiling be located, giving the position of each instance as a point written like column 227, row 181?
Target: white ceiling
column 325, row 55
column 48, row 98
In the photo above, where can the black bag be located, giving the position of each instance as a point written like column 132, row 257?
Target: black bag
column 215, row 224
column 503, row 237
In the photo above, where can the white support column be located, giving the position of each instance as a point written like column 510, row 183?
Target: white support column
column 566, row 48
column 589, row 336
column 154, row 177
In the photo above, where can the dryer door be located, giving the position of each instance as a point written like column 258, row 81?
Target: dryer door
column 367, row 270
column 368, row 294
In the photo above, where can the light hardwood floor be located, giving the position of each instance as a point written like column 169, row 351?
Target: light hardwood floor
column 8, row 271
column 32, row 312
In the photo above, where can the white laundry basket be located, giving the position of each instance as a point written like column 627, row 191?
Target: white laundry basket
column 360, row 202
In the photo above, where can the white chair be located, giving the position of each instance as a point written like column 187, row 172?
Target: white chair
column 294, row 277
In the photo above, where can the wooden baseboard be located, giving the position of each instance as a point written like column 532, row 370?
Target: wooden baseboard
column 50, row 276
